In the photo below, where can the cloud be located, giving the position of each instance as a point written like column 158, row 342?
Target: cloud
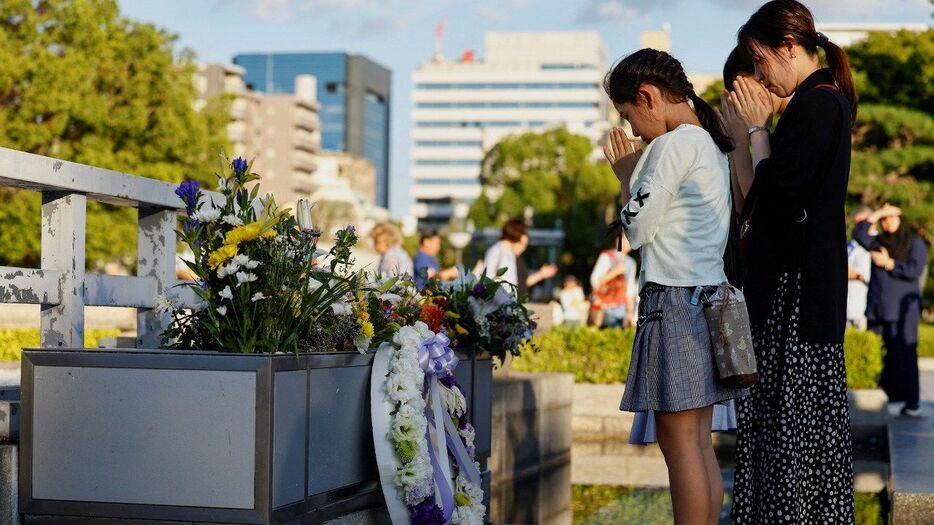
column 600, row 11
column 840, row 8
column 491, row 14
column 361, row 17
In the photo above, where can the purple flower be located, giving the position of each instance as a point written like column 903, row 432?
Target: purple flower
column 188, row 192
column 427, row 513
column 478, row 290
column 239, row 166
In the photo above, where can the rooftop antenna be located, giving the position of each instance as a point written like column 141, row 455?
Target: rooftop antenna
column 439, row 34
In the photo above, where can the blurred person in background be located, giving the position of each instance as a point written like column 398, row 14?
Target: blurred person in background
column 899, row 258
column 426, row 261
column 507, row 253
column 573, row 302
column 859, row 265
column 614, row 287
column 387, row 241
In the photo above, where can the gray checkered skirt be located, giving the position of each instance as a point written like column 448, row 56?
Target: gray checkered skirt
column 672, row 366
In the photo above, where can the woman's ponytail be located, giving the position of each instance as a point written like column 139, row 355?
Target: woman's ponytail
column 839, row 65
column 712, row 123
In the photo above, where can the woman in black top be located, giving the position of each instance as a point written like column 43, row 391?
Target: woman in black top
column 794, row 460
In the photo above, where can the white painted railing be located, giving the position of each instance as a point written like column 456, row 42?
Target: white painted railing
column 61, row 286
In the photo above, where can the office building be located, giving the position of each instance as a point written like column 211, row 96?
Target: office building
column 354, row 94
column 526, row 82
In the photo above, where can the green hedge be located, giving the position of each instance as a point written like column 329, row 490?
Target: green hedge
column 592, row 355
column 926, row 341
column 605, row 505
column 13, row 340
column 602, row 356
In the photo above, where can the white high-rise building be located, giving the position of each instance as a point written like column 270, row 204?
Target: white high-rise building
column 526, row 82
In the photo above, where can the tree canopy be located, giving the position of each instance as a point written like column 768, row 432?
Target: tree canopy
column 555, row 173
column 80, row 82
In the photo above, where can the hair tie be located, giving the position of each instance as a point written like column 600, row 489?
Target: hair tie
column 822, row 38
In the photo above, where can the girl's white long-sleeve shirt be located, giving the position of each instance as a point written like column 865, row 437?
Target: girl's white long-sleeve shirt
column 679, row 212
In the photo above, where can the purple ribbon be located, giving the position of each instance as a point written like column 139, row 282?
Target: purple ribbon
column 436, row 357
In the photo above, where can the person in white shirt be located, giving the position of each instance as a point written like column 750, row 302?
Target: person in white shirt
column 573, row 302
column 859, row 266
column 676, row 197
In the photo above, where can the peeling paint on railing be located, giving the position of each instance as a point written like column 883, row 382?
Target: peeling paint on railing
column 60, row 285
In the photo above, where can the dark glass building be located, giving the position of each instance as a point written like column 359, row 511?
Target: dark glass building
column 354, row 93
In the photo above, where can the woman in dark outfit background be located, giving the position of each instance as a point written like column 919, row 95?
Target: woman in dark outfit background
column 893, row 306
column 794, row 459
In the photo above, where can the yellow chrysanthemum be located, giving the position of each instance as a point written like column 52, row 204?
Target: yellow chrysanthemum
column 242, row 234
column 366, row 328
column 460, row 330
column 222, row 255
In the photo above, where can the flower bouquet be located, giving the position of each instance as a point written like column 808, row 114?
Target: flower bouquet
column 261, row 287
column 484, row 314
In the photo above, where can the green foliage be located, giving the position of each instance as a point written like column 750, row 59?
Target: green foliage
column 926, row 340
column 79, row 82
column 605, row 505
column 602, row 356
column 554, row 172
column 863, row 351
column 869, row 508
column 712, row 94
column 896, row 68
column 884, row 126
column 13, row 340
column 591, row 354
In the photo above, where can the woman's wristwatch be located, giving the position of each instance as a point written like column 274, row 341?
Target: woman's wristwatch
column 755, row 129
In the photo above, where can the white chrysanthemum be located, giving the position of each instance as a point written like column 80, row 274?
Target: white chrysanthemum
column 240, row 259
column 245, row 277
column 402, row 388
column 453, row 400
column 251, row 264
column 361, row 342
column 408, row 338
column 166, row 303
column 233, row 220
column 392, row 298
column 469, row 435
column 226, row 293
column 341, row 308
column 206, row 214
column 222, row 310
column 423, row 330
column 258, row 296
column 404, row 429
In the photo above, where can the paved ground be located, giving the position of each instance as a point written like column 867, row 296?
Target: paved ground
column 9, row 373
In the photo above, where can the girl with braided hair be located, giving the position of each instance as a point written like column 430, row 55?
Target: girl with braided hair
column 676, row 197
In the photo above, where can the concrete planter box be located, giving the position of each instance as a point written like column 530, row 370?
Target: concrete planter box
column 204, row 436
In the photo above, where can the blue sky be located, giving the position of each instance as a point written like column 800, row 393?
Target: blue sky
column 400, row 33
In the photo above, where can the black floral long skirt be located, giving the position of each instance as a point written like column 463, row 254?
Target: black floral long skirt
column 794, row 460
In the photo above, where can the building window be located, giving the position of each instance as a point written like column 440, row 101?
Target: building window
column 503, row 105
column 449, row 143
column 447, row 162
column 506, row 85
column 334, row 87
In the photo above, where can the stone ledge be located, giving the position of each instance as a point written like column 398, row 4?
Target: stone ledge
column 911, row 479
